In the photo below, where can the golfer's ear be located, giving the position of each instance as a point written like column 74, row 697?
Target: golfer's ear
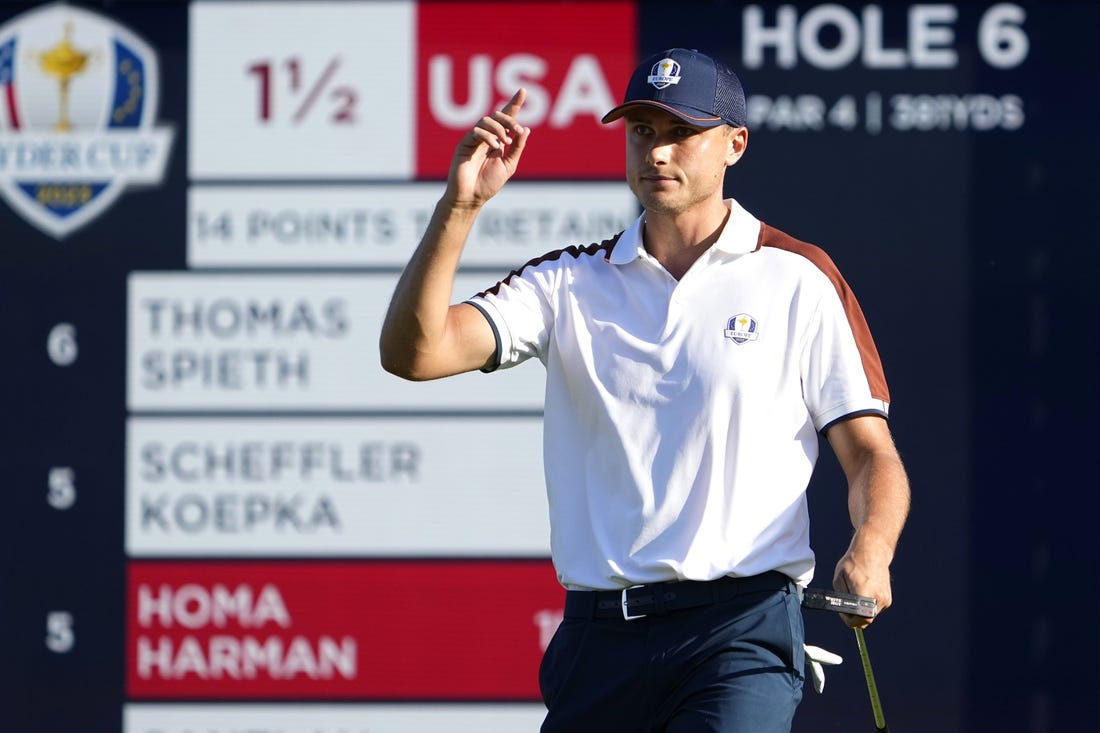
column 738, row 139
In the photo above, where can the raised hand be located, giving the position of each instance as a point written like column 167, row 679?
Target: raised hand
column 487, row 156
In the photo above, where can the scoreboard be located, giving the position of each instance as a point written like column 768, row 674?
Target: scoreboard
column 225, row 516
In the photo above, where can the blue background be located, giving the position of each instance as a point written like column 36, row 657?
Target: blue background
column 973, row 255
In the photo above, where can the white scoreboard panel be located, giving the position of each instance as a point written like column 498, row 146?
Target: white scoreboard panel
column 285, row 498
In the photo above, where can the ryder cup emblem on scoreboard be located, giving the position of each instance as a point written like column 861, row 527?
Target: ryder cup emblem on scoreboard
column 78, row 105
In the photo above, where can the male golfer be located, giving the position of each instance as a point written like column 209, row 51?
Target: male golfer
column 692, row 362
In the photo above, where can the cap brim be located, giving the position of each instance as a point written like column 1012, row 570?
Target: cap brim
column 687, row 114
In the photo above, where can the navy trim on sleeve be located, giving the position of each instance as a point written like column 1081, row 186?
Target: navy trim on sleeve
column 850, row 415
column 496, row 335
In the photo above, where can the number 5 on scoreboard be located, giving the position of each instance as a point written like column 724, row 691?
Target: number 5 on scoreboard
column 60, row 636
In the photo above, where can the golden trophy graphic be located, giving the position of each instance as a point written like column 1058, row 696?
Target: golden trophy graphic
column 64, row 61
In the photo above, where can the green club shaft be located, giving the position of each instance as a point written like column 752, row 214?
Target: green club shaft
column 872, row 688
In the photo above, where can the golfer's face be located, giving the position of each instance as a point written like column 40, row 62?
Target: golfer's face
column 671, row 166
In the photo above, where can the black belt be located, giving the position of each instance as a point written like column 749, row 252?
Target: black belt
column 658, row 599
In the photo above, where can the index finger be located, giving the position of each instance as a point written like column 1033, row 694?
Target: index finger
column 515, row 103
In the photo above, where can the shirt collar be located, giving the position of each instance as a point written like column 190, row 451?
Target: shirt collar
column 740, row 235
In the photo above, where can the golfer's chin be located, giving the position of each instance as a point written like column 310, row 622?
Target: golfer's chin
column 658, row 199
column 663, row 204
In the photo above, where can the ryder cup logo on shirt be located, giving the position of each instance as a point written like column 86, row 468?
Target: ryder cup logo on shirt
column 78, row 105
column 664, row 73
column 742, row 328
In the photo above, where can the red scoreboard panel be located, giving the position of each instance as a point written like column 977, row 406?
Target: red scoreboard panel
column 368, row 630
column 574, row 59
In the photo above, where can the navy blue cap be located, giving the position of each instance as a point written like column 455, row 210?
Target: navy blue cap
column 696, row 88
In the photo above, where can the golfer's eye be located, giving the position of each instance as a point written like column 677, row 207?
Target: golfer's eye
column 640, row 129
column 685, row 131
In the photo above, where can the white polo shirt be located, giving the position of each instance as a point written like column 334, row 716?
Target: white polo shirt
column 682, row 417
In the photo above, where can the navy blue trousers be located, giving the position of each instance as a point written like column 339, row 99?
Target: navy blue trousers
column 735, row 666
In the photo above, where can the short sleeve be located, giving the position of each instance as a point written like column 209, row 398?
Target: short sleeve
column 519, row 312
column 838, row 372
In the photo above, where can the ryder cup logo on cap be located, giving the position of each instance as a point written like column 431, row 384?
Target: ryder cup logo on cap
column 663, row 73
column 78, row 107
column 695, row 87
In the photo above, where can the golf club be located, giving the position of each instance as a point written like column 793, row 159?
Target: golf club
column 839, row 602
column 872, row 688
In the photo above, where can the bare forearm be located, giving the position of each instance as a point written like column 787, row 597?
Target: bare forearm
column 415, row 326
column 878, row 504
